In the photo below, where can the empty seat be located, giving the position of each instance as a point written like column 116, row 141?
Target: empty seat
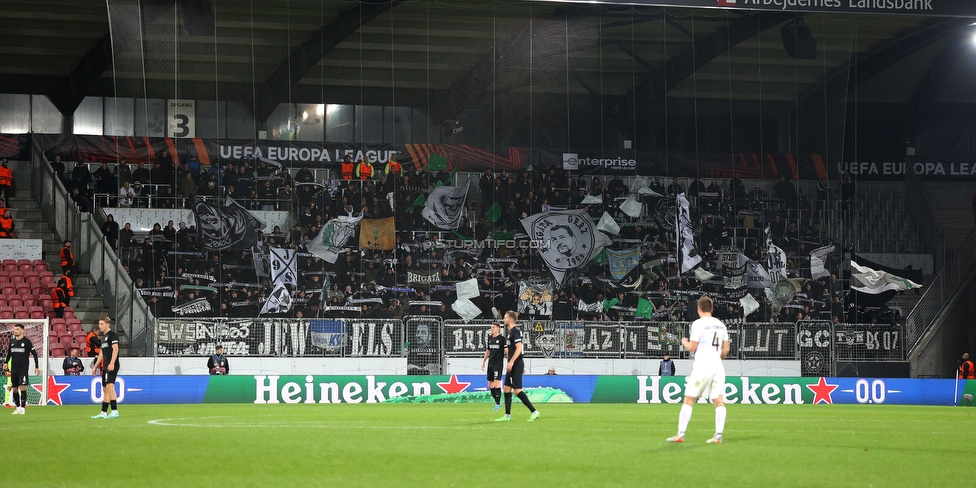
column 58, row 324
column 65, row 333
column 9, row 290
column 45, row 302
column 15, row 302
column 69, row 313
column 57, row 351
column 25, row 268
column 74, row 325
column 6, row 314
column 21, row 313
column 9, row 262
column 48, row 282
column 36, row 313
column 24, row 262
column 39, row 263
column 28, row 301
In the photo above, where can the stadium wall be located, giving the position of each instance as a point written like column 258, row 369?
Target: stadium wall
column 309, row 389
column 398, row 366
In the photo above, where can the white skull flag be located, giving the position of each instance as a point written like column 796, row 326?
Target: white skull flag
column 567, row 240
column 445, row 206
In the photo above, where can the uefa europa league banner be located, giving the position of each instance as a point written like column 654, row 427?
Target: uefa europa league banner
column 650, row 390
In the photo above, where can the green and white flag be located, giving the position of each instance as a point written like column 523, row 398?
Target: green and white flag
column 333, row 237
column 873, row 282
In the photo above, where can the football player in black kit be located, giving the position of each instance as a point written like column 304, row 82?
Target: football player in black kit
column 515, row 368
column 495, row 357
column 108, row 361
column 20, row 347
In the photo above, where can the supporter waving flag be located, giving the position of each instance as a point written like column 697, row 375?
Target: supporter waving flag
column 445, row 206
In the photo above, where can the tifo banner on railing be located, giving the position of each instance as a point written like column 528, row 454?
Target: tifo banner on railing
column 280, row 337
column 816, row 343
column 262, row 389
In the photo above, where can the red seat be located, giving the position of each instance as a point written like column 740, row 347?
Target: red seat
column 25, row 268
column 45, row 302
column 80, row 337
column 36, row 313
column 23, row 262
column 58, row 324
column 15, row 303
column 74, row 325
column 39, row 263
column 57, row 351
column 8, row 290
column 24, row 289
column 48, row 282
column 69, row 313
column 65, row 333
column 28, row 300
column 21, row 313
column 6, row 314
column 9, row 262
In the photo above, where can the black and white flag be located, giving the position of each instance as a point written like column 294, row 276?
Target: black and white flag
column 445, row 206
column 567, row 240
column 284, row 269
column 279, row 302
column 775, row 260
column 333, row 237
column 225, row 228
column 685, row 235
column 818, row 259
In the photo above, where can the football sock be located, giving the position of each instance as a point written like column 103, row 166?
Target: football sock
column 112, row 403
column 525, row 399
column 496, row 393
column 719, row 420
column 16, row 398
column 683, row 418
column 508, row 403
column 104, row 406
column 23, row 399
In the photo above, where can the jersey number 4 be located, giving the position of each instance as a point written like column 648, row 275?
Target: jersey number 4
column 715, row 341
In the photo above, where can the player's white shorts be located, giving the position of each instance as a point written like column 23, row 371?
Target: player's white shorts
column 709, row 384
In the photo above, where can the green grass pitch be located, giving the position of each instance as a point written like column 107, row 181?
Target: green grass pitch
column 461, row 445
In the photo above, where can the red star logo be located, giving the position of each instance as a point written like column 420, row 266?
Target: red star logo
column 821, row 391
column 54, row 389
column 454, row 386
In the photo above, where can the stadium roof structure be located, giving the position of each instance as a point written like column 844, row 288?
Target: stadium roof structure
column 418, row 53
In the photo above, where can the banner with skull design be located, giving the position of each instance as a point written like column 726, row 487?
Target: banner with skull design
column 567, row 240
column 224, row 227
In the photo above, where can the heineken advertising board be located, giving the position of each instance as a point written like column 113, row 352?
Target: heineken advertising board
column 263, row 389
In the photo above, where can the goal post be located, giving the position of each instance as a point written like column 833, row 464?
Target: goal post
column 38, row 331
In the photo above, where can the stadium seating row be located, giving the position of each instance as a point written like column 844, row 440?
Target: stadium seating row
column 23, row 265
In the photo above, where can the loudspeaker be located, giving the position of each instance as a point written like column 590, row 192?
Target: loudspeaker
column 798, row 41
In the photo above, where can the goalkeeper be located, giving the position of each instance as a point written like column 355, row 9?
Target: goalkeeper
column 17, row 356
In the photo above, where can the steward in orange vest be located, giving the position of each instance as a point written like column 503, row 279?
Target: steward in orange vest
column 58, row 296
column 966, row 371
column 394, row 166
column 92, row 343
column 6, row 224
column 67, row 257
column 346, row 168
column 364, row 170
column 69, row 287
column 6, row 179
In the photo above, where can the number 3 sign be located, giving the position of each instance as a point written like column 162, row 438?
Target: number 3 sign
column 181, row 118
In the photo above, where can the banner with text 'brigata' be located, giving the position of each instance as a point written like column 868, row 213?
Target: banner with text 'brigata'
column 270, row 389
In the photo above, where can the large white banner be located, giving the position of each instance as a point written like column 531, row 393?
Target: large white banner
column 142, row 219
column 21, row 249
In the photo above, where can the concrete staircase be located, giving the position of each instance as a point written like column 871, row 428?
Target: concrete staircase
column 31, row 224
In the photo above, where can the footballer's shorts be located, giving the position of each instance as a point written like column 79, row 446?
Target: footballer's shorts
column 708, row 383
column 495, row 372
column 109, row 376
column 514, row 377
column 18, row 377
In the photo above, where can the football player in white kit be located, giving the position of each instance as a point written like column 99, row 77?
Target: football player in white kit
column 709, row 340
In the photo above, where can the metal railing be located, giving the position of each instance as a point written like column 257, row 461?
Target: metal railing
column 955, row 269
column 933, row 239
column 93, row 253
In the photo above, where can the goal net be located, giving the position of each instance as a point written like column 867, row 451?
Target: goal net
column 38, row 331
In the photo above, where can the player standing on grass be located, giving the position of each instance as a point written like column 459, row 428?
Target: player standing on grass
column 515, row 368
column 709, row 340
column 20, row 348
column 495, row 357
column 108, row 361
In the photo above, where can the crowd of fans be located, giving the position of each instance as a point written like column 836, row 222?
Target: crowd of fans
column 171, row 268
